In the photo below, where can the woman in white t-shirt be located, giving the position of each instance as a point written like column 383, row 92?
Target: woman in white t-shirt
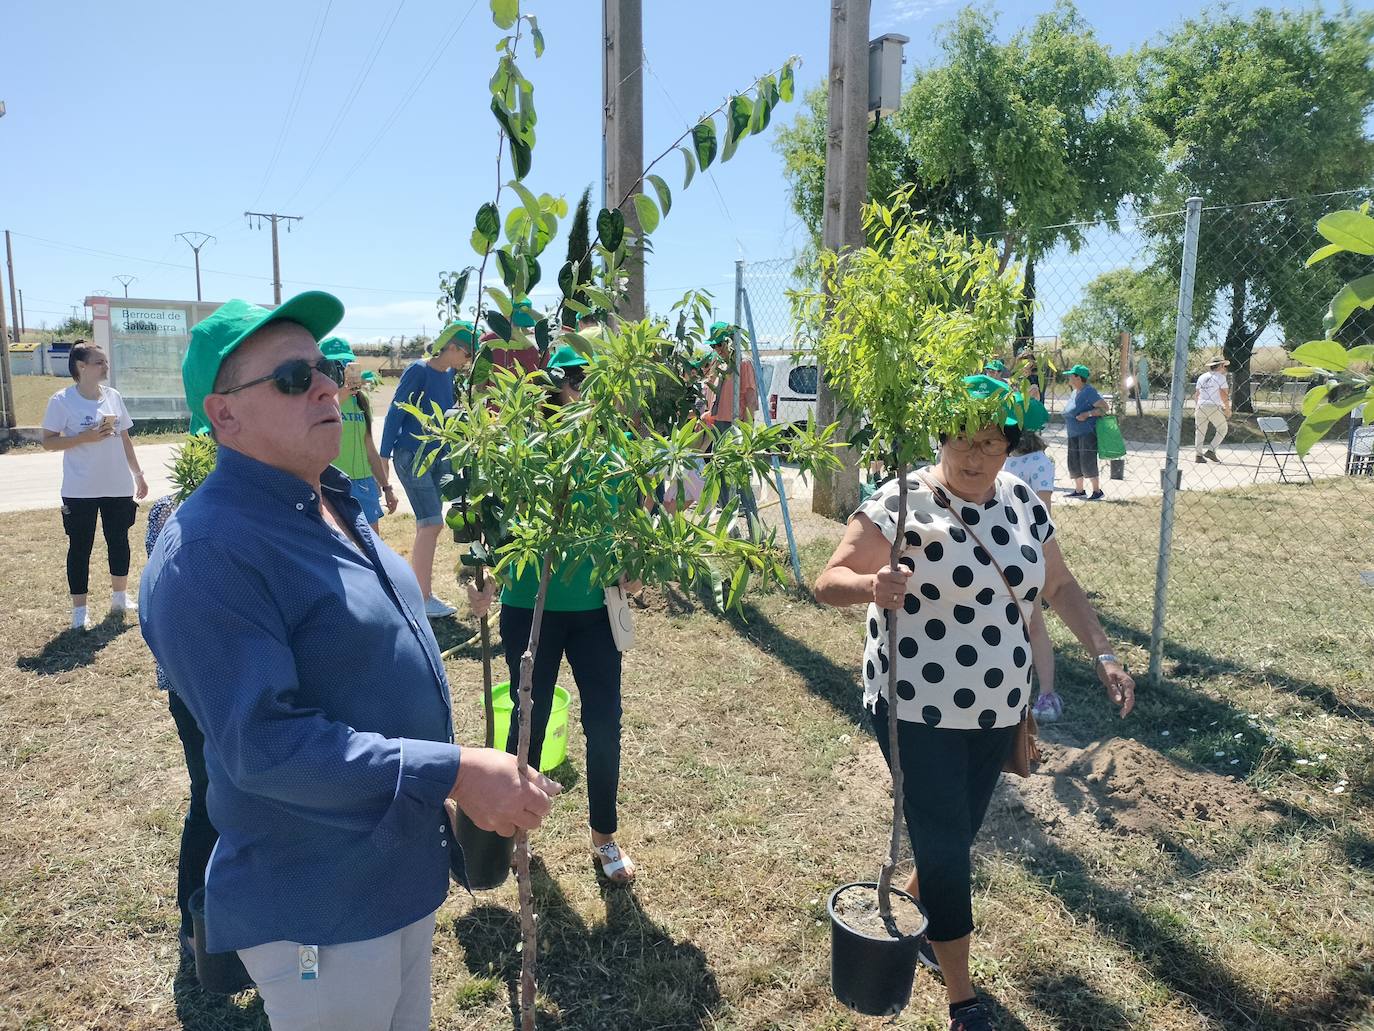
column 89, row 424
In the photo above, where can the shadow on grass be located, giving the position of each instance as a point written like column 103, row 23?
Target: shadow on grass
column 199, row 1010
column 627, row 973
column 72, row 649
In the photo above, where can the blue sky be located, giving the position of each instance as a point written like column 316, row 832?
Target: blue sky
column 128, row 123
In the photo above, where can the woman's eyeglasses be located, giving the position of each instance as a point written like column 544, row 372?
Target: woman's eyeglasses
column 989, row 448
column 295, row 376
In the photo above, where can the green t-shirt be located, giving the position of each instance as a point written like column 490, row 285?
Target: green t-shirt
column 352, row 460
column 576, row 592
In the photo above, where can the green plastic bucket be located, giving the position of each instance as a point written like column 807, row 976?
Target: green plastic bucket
column 555, row 737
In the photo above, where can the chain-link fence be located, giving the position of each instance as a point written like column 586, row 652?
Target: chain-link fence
column 1213, row 545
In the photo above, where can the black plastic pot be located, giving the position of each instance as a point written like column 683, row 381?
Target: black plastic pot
column 1118, row 468
column 486, row 855
column 872, row 975
column 218, row 972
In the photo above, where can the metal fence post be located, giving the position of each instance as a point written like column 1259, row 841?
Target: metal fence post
column 1183, row 331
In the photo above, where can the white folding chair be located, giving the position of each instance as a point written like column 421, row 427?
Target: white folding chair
column 1280, row 446
column 1360, row 459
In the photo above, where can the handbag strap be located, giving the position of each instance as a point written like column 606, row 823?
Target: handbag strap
column 942, row 499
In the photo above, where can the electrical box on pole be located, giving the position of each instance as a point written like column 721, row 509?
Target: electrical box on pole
column 886, row 55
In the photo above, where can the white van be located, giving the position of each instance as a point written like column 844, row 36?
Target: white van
column 788, row 388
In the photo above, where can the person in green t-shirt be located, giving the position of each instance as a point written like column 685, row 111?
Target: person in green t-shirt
column 576, row 626
column 358, row 458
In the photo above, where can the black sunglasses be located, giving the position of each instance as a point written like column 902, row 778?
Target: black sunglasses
column 295, row 376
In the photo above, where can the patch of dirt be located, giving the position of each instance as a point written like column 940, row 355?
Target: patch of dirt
column 863, row 778
column 1124, row 787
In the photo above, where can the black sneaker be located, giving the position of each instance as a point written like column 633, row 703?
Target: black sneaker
column 926, row 954
column 1212, row 455
column 972, row 1018
column 1096, row 495
column 1200, row 460
column 1075, row 494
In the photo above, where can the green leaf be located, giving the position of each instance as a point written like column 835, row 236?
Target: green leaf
column 1322, row 354
column 541, row 336
column 505, row 13
column 512, row 269
column 578, row 343
column 1358, row 293
column 1352, row 230
column 488, row 222
column 499, row 325
column 727, row 150
column 1314, row 397
column 480, row 243
column 785, row 83
column 763, row 107
column 504, row 118
column 532, row 272
column 704, row 142
column 665, row 197
column 741, row 111
column 458, row 290
column 1363, row 353
column 1322, row 253
column 521, row 156
column 527, row 198
column 647, row 211
column 565, row 279
column 691, row 164
column 538, row 38
column 610, row 226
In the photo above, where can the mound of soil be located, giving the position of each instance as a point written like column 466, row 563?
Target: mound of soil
column 1122, row 786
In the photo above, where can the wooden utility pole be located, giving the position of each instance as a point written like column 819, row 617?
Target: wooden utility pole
column 6, row 382
column 836, row 494
column 14, row 304
column 623, row 127
column 22, row 324
column 273, row 218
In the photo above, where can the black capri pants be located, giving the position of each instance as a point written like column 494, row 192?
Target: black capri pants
column 117, row 515
column 948, row 779
column 585, row 638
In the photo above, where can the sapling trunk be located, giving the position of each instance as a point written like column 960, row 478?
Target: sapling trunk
column 529, row 943
column 893, row 748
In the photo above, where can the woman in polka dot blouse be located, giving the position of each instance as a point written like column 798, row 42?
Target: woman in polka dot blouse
column 963, row 653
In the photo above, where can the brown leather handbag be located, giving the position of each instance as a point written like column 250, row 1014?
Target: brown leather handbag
column 1025, row 753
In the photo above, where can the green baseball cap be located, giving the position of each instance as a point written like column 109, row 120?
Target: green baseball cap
column 522, row 314
column 565, row 356
column 719, row 331
column 1027, row 413
column 995, row 365
column 1081, row 371
column 1034, row 416
column 216, row 337
column 459, row 329
column 338, row 349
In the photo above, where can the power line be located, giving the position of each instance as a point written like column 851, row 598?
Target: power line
column 297, row 92
column 444, row 44
column 347, row 105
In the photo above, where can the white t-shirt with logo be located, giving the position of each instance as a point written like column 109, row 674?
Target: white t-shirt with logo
column 98, row 470
column 963, row 649
column 1209, row 388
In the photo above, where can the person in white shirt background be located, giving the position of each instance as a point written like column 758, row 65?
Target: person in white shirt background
column 101, row 477
column 1212, row 410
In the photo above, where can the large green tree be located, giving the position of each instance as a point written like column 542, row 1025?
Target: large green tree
column 1013, row 140
column 1270, row 105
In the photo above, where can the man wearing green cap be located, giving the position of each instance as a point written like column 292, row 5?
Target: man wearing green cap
column 298, row 642
column 721, row 411
column 1081, row 412
column 425, row 383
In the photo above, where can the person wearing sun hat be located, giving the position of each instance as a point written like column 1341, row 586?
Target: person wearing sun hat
column 977, row 552
column 298, row 641
column 426, row 382
column 358, row 458
column 1081, row 412
column 1212, row 410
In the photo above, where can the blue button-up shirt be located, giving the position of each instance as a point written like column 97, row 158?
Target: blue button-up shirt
column 312, row 671
column 422, row 387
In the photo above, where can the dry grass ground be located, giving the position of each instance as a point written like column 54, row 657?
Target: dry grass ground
column 1207, row 864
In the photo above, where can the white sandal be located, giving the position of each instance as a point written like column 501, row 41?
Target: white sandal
column 611, row 861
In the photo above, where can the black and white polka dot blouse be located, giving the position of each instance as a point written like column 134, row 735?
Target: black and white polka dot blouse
column 963, row 652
